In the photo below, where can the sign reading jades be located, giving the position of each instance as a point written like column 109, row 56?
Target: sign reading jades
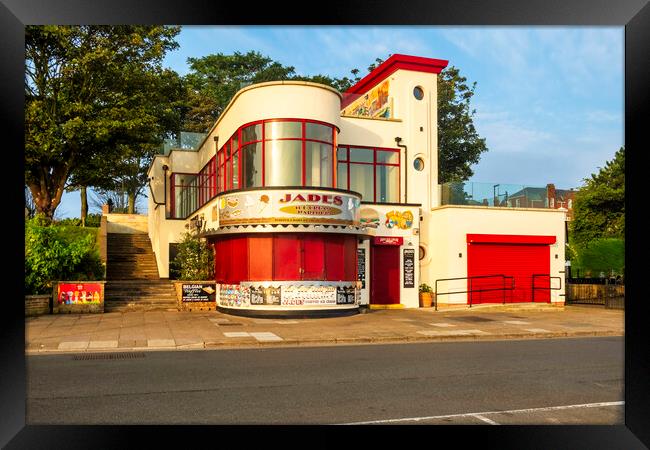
column 375, row 103
column 199, row 292
column 78, row 297
column 290, row 206
column 311, row 296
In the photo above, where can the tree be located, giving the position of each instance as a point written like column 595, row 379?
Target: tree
column 215, row 79
column 599, row 208
column 459, row 145
column 85, row 92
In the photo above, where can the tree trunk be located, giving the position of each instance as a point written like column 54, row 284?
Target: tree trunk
column 84, row 205
column 131, row 207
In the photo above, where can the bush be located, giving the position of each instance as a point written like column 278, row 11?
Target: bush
column 194, row 260
column 600, row 255
column 56, row 252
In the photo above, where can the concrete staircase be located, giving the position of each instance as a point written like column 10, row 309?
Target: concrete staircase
column 132, row 280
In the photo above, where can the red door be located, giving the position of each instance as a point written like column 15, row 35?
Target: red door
column 384, row 270
column 520, row 260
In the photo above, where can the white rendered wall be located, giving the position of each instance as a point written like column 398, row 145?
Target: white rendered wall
column 450, row 225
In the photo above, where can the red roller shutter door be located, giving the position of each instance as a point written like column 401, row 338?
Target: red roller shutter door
column 519, row 257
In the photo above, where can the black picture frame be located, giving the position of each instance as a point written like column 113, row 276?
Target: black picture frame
column 634, row 15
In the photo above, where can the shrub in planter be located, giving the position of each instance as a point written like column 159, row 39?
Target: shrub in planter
column 426, row 296
column 59, row 252
column 194, row 259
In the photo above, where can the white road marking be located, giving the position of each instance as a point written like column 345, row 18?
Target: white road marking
column 485, row 419
column 286, row 321
column 236, row 334
column 536, row 330
column 452, row 332
column 102, row 344
column 516, row 322
column 218, row 321
column 512, row 411
column 266, row 336
column 161, row 343
column 74, row 345
column 443, row 325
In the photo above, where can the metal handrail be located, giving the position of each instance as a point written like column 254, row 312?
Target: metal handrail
column 549, row 283
column 470, row 291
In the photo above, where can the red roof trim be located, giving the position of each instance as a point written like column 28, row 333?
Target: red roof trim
column 387, row 68
column 509, row 239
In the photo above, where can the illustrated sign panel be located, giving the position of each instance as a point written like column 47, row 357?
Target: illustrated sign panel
column 265, row 295
column 289, row 206
column 199, row 292
column 308, row 295
column 388, row 240
column 234, row 295
column 345, row 295
column 361, row 266
column 409, row 268
column 374, row 103
column 79, row 293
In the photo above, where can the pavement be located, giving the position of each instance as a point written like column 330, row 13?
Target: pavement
column 194, row 330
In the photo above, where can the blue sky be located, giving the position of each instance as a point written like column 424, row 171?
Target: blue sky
column 548, row 100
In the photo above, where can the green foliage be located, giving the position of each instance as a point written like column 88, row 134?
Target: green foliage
column 425, row 288
column 459, row 145
column 59, row 252
column 93, row 220
column 194, row 260
column 91, row 92
column 599, row 207
column 600, row 255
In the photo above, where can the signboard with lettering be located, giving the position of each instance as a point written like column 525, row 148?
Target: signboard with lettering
column 308, row 295
column 388, row 240
column 79, row 293
column 361, row 266
column 289, row 206
column 409, row 268
column 198, row 292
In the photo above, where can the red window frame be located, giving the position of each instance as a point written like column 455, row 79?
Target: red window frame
column 374, row 165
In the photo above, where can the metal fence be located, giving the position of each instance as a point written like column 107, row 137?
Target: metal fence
column 608, row 295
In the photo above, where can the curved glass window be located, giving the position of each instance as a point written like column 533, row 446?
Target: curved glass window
column 274, row 152
column 283, row 163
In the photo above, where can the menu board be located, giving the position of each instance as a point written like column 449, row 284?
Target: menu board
column 409, row 268
column 265, row 295
column 361, row 266
column 201, row 292
column 345, row 295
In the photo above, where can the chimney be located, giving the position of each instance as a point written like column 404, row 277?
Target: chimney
column 550, row 195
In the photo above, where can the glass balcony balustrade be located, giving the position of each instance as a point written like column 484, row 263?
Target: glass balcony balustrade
column 186, row 141
column 504, row 195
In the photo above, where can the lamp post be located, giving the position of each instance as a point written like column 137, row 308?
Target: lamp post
column 494, row 198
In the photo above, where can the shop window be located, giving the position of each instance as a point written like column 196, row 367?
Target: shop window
column 373, row 172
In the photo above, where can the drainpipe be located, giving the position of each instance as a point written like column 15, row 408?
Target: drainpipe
column 406, row 180
column 165, row 167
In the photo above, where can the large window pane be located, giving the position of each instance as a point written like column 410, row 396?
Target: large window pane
column 276, row 130
column 387, row 184
column 283, row 163
column 318, row 164
column 251, row 133
column 361, row 155
column 252, row 165
column 387, row 157
column 318, row 132
column 342, row 154
column 361, row 180
column 342, row 175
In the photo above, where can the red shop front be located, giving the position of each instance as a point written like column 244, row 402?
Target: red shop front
column 285, row 257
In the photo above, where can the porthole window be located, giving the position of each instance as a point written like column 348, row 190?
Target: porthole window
column 418, row 164
column 418, row 92
column 422, row 253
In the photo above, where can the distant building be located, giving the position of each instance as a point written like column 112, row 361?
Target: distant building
column 549, row 197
